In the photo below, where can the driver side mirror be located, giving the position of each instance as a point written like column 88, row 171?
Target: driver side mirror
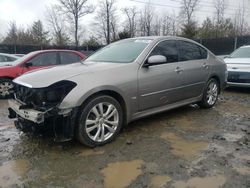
column 155, row 60
column 28, row 64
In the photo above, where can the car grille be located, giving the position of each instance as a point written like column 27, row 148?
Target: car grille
column 239, row 77
column 23, row 93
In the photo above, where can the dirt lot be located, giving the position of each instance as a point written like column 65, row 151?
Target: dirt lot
column 186, row 147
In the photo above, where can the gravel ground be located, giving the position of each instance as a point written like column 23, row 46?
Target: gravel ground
column 185, row 147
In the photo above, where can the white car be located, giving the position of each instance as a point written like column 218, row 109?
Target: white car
column 7, row 59
column 238, row 66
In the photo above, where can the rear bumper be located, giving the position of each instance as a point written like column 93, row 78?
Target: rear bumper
column 60, row 124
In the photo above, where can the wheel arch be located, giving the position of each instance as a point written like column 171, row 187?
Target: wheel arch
column 217, row 78
column 112, row 93
column 6, row 77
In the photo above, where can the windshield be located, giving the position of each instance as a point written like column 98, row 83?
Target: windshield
column 21, row 59
column 120, row 52
column 241, row 53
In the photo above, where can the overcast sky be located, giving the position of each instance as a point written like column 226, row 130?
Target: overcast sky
column 24, row 12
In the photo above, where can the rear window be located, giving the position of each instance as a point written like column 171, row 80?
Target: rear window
column 190, row 51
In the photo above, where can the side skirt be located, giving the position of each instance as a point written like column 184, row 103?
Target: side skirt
column 156, row 110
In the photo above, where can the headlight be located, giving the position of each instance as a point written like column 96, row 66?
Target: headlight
column 54, row 94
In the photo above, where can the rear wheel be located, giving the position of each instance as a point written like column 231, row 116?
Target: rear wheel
column 100, row 121
column 6, row 88
column 210, row 95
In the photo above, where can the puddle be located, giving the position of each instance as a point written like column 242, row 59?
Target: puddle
column 232, row 137
column 4, row 119
column 242, row 170
column 89, row 152
column 12, row 171
column 121, row 174
column 182, row 147
column 3, row 127
column 243, row 157
column 206, row 182
column 187, row 123
column 160, row 181
column 230, row 108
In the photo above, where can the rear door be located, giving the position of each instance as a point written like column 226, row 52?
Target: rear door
column 69, row 57
column 162, row 84
column 194, row 62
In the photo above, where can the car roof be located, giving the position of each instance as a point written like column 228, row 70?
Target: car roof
column 247, row 46
column 161, row 38
column 55, row 50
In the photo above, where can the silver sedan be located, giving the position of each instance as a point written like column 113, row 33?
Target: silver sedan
column 120, row 83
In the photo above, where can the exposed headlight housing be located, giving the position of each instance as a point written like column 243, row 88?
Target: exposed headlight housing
column 44, row 98
column 55, row 93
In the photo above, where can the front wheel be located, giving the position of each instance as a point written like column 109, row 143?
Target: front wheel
column 210, row 94
column 6, row 88
column 100, row 121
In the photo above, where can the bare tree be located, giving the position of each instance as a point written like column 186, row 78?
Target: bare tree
column 240, row 23
column 106, row 20
column 188, row 8
column 75, row 9
column 57, row 23
column 220, row 8
column 131, row 14
column 169, row 24
column 146, row 20
column 157, row 26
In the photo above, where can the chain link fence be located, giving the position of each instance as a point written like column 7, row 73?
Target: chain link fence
column 24, row 49
column 225, row 46
column 219, row 46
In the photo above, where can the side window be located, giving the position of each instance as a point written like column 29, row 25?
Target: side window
column 11, row 58
column 45, row 59
column 168, row 49
column 190, row 51
column 69, row 57
column 2, row 58
column 203, row 53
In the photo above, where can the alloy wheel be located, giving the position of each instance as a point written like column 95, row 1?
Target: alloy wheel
column 102, row 122
column 6, row 88
column 212, row 93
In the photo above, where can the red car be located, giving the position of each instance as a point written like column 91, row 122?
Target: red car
column 32, row 61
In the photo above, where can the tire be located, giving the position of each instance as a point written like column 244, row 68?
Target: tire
column 210, row 94
column 6, row 88
column 100, row 121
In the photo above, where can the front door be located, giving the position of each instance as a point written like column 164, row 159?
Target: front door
column 162, row 84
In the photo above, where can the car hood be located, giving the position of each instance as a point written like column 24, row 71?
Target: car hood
column 48, row 76
column 237, row 60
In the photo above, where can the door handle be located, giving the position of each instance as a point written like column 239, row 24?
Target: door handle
column 205, row 66
column 178, row 70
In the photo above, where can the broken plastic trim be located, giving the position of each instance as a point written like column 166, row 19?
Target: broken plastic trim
column 43, row 98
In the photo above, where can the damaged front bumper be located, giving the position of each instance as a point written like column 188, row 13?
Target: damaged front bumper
column 59, row 122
